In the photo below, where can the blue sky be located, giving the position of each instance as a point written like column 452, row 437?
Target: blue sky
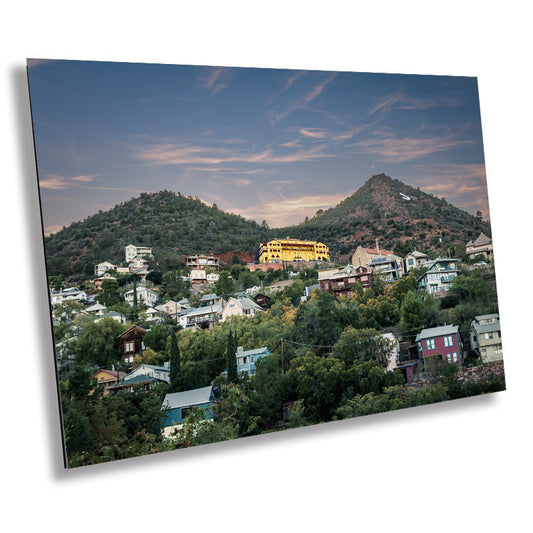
column 274, row 145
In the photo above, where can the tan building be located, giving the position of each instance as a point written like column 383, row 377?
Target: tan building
column 486, row 337
column 279, row 250
column 98, row 281
column 363, row 256
column 481, row 246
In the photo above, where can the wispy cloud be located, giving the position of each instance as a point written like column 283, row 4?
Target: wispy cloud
column 85, row 178
column 216, row 79
column 301, row 100
column 465, row 186
column 279, row 212
column 322, row 134
column 55, row 182
column 174, row 154
column 291, row 80
column 400, row 150
column 400, row 101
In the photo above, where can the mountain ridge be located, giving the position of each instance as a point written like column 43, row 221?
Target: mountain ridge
column 174, row 224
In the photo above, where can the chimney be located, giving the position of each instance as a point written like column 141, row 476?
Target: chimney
column 377, row 245
column 240, row 349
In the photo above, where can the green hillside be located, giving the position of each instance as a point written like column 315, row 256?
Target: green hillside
column 173, row 225
column 377, row 210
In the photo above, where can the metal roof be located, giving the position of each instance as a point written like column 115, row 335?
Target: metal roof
column 189, row 397
column 437, row 332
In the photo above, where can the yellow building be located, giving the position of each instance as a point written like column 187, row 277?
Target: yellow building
column 288, row 249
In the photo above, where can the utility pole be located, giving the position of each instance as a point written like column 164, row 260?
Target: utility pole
column 282, row 369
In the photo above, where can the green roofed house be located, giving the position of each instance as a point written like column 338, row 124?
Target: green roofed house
column 178, row 405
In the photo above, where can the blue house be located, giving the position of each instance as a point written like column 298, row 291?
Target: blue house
column 179, row 404
column 246, row 359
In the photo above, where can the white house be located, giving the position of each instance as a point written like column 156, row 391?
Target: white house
column 131, row 251
column 138, row 265
column 239, row 307
column 101, row 268
column 414, row 259
column 202, row 317
column 144, row 295
column 439, row 275
column 161, row 373
column 98, row 309
column 65, row 295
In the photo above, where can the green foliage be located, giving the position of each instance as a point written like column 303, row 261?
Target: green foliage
column 225, row 286
column 231, row 360
column 98, row 344
column 176, row 383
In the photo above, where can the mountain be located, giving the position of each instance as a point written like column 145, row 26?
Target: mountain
column 378, row 210
column 173, row 225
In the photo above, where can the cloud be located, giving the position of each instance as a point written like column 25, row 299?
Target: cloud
column 463, row 185
column 216, row 79
column 402, row 102
column 54, row 183
column 174, row 154
column 400, row 150
column 301, row 100
column 85, row 178
column 48, row 230
column 280, row 212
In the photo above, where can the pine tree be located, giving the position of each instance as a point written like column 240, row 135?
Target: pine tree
column 175, row 364
column 231, row 359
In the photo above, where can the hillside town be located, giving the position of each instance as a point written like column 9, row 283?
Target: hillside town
column 198, row 339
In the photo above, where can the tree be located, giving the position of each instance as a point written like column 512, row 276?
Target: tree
column 225, row 286
column 231, row 359
column 99, row 343
column 175, row 364
column 412, row 315
column 110, row 294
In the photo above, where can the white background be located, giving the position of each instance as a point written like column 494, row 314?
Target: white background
column 463, row 466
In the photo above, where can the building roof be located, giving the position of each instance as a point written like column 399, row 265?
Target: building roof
column 437, row 332
column 486, row 328
column 96, row 307
column 255, row 351
column 486, row 317
column 416, row 253
column 207, row 310
column 189, row 397
column 482, row 240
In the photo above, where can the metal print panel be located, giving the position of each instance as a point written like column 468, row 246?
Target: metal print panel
column 236, row 251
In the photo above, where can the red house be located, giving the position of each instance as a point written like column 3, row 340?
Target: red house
column 341, row 283
column 443, row 342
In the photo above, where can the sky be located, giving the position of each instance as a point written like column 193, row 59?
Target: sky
column 273, row 145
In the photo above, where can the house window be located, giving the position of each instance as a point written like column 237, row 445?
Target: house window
column 184, row 412
column 448, row 341
column 489, row 335
column 419, row 346
column 498, row 349
column 430, row 344
column 454, row 357
column 449, row 357
column 129, row 347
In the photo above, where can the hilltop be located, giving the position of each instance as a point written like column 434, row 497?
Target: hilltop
column 173, row 225
column 377, row 210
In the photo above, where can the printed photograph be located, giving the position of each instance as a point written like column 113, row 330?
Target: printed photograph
column 235, row 251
